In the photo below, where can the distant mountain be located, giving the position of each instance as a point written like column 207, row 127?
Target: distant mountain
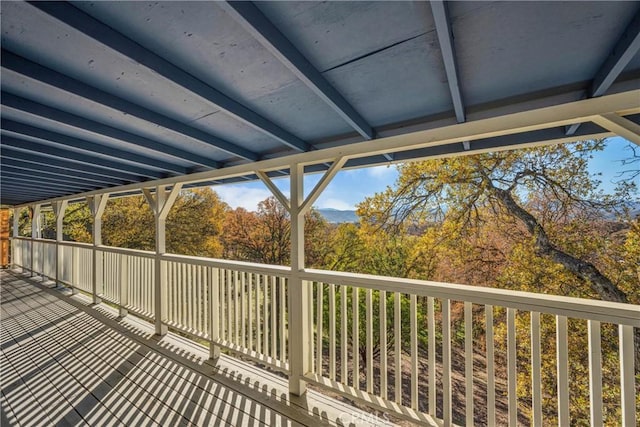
column 335, row 216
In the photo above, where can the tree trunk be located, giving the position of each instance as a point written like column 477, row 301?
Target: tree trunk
column 582, row 269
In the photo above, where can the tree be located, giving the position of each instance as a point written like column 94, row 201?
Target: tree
column 194, row 223
column 264, row 236
column 539, row 216
column 465, row 189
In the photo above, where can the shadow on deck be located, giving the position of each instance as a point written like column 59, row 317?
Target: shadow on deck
column 65, row 361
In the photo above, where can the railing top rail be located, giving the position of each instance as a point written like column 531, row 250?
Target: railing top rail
column 606, row 311
column 126, row 251
column 76, row 244
column 252, row 267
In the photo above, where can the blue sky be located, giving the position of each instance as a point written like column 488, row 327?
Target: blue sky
column 350, row 187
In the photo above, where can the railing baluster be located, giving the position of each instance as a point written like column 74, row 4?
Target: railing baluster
column 356, row 337
column 206, row 290
column 214, row 302
column 446, row 362
column 595, row 372
column 343, row 334
column 197, row 308
column 562, row 356
column 283, row 309
column 230, row 313
column 171, row 291
column 258, row 320
column 431, row 330
column 536, row 374
column 414, row 350
column 124, row 285
column 319, row 327
column 273, row 313
column 491, row 386
column 369, row 332
column 180, row 287
column 222, row 306
column 236, row 308
column 332, row 331
column 243, row 311
column 252, row 306
column 383, row 345
column 397, row 336
column 627, row 384
column 468, row 359
column 265, row 315
column 511, row 367
column 190, row 284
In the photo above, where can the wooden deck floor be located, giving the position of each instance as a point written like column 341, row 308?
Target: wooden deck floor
column 66, row 362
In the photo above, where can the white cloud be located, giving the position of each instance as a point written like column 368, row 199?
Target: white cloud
column 382, row 172
column 242, row 196
column 332, row 203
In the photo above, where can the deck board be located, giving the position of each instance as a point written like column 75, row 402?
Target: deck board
column 65, row 361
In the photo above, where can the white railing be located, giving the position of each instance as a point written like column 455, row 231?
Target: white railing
column 76, row 265
column 127, row 279
column 413, row 348
column 395, row 344
column 238, row 306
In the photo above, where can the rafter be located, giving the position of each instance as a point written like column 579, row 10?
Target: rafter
column 107, row 36
column 253, row 20
column 105, row 175
column 440, row 12
column 36, row 109
column 90, row 147
column 624, row 50
column 37, row 72
column 49, row 150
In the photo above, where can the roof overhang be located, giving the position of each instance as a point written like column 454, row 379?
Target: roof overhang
column 110, row 97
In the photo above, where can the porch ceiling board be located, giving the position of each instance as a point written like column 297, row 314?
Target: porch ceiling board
column 129, row 92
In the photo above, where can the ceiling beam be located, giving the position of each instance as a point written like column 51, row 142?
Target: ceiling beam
column 36, row 109
column 107, row 36
column 510, row 124
column 59, row 153
column 249, row 16
column 624, row 50
column 46, row 170
column 104, row 174
column 440, row 12
column 32, row 70
column 90, row 147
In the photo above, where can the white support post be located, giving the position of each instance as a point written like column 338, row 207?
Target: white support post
column 299, row 316
column 97, row 204
column 16, row 233
column 35, row 233
column 58, row 210
column 300, row 354
column 161, row 204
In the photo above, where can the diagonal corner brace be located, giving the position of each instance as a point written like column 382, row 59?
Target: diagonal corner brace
column 620, row 126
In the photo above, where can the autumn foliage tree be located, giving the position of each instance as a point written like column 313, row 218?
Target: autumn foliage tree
column 264, row 236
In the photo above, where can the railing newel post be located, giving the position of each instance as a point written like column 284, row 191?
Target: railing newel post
column 214, row 327
column 124, row 285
